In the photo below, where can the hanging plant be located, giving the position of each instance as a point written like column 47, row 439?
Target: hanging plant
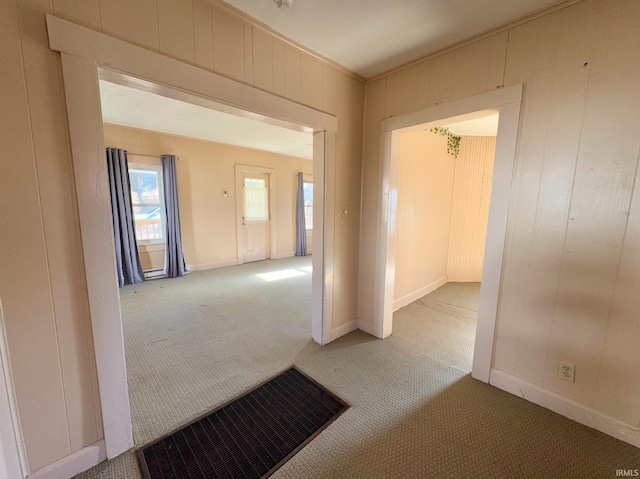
column 453, row 141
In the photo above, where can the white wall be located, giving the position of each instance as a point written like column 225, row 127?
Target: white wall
column 425, row 189
column 204, row 171
column 572, row 263
column 442, row 212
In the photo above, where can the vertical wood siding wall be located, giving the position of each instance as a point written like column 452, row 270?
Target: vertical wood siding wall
column 470, row 208
column 571, row 273
column 42, row 275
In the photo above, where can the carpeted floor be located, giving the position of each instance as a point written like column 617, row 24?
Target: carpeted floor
column 197, row 342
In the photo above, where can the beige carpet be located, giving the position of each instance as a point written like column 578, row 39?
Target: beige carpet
column 196, row 342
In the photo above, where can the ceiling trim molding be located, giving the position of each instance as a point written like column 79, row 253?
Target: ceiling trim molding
column 476, row 38
column 267, row 29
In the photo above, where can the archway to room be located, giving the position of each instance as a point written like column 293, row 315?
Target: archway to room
column 243, row 306
column 444, row 186
column 506, row 104
column 83, row 54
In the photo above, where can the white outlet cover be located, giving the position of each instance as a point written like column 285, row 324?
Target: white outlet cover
column 567, row 371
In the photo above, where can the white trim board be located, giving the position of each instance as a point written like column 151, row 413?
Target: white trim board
column 505, row 101
column 76, row 463
column 344, row 329
column 214, row 265
column 13, row 457
column 121, row 56
column 565, row 407
column 366, row 326
column 288, row 254
column 418, row 293
column 84, row 53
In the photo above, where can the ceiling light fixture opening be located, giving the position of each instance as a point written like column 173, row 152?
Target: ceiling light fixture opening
column 283, row 3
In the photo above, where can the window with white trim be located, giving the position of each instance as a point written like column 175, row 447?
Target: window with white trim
column 147, row 198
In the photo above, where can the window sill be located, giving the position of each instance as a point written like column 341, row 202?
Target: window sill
column 151, row 247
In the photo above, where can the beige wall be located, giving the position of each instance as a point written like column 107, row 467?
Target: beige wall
column 425, row 187
column 206, row 169
column 572, row 267
column 470, row 208
column 442, row 212
column 42, row 284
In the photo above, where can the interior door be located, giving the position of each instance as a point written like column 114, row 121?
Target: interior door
column 255, row 216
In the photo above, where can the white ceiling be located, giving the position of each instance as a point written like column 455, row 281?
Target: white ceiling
column 126, row 106
column 370, row 37
column 485, row 126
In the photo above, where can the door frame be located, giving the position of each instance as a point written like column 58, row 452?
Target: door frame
column 273, row 210
column 13, row 456
column 505, row 101
column 83, row 53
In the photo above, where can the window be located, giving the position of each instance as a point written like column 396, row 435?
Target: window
column 307, row 189
column 256, row 199
column 148, row 202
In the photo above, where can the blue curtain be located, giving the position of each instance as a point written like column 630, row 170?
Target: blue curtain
column 301, row 227
column 174, row 265
column 124, row 231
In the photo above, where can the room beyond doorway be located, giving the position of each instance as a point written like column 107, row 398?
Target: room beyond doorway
column 442, row 206
column 506, row 102
column 200, row 341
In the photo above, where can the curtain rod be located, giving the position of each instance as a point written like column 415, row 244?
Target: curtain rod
column 150, row 156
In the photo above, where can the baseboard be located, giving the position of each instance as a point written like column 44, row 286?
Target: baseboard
column 344, row 329
column 154, row 274
column 215, row 264
column 76, row 463
column 366, row 326
column 288, row 254
column 565, row 407
column 417, row 294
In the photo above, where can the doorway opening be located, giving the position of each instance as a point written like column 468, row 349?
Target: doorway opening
column 237, row 183
column 255, row 212
column 390, row 260
column 444, row 186
column 165, row 75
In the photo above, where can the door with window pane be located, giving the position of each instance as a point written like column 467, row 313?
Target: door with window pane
column 255, row 216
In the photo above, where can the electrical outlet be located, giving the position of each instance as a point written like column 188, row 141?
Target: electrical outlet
column 567, row 371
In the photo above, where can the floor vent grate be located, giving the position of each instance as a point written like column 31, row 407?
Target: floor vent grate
column 250, row 437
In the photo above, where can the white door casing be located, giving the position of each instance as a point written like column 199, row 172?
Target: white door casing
column 13, row 460
column 506, row 102
column 85, row 52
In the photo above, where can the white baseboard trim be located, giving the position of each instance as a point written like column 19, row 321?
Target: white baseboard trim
column 154, row 273
column 78, row 462
column 565, row 407
column 366, row 326
column 344, row 329
column 215, row 264
column 417, row 294
column 288, row 254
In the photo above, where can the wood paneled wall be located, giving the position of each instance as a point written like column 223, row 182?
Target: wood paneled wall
column 204, row 172
column 470, row 208
column 571, row 270
column 42, row 274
